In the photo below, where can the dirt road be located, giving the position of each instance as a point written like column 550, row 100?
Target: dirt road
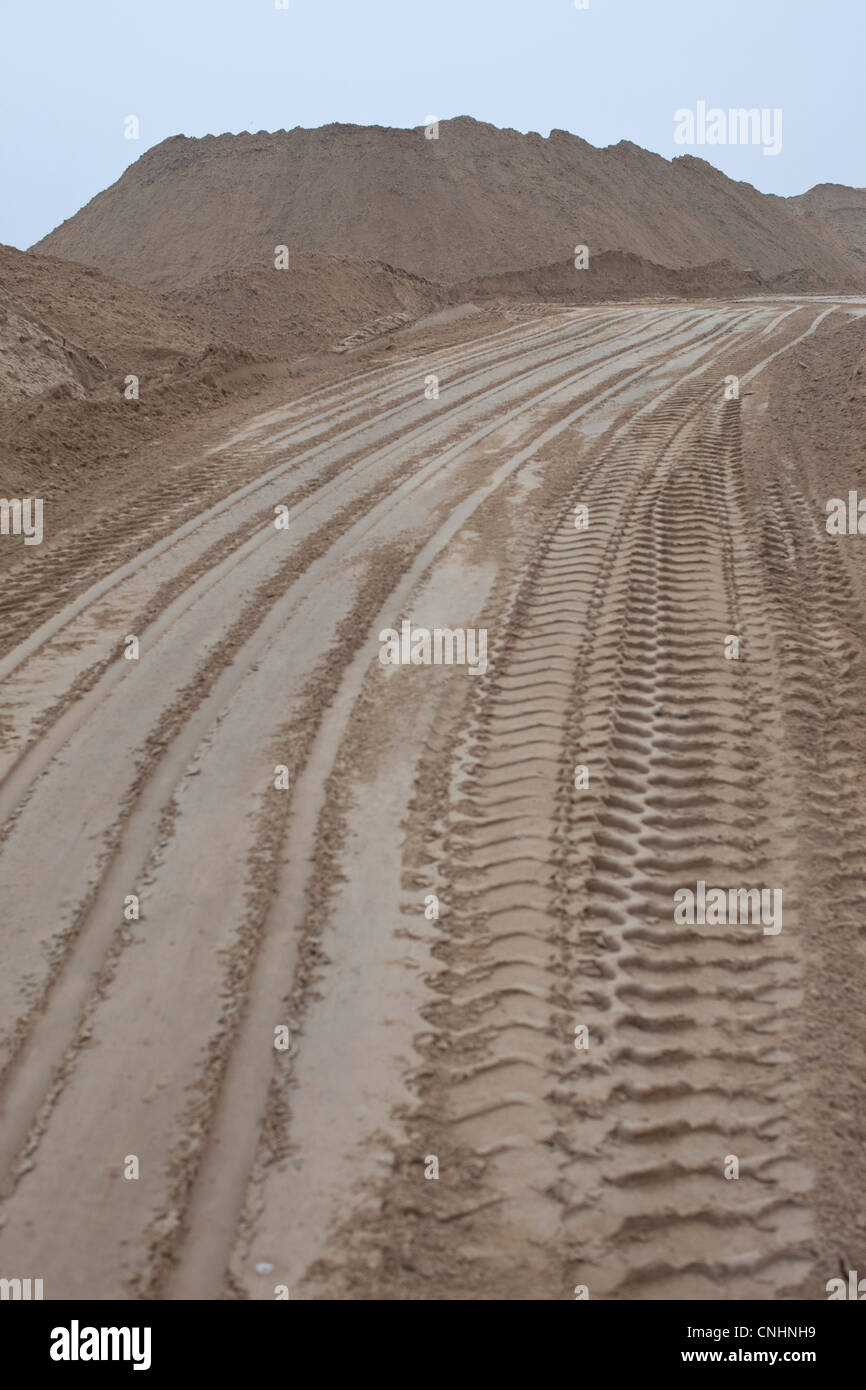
column 148, row 782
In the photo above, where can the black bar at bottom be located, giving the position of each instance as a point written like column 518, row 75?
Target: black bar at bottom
column 161, row 1339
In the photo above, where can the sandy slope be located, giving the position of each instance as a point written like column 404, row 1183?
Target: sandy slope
column 305, row 907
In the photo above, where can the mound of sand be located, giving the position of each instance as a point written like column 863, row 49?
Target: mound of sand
column 617, row 275
column 317, row 301
column 476, row 201
column 272, row 314
column 70, row 336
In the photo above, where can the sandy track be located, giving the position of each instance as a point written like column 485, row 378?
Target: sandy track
column 262, row 906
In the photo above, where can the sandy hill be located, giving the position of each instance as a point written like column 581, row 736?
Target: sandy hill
column 477, row 201
column 840, row 207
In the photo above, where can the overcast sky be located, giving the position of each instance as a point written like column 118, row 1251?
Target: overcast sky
column 72, row 70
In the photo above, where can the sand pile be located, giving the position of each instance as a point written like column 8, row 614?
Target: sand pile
column 476, row 201
column 70, row 337
column 317, row 301
column 618, row 275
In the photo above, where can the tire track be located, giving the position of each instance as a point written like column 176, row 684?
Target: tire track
column 209, row 1169
column 560, row 901
column 43, row 1057
column 206, row 1241
column 216, row 1204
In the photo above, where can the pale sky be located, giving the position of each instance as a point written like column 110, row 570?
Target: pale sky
column 72, row 70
